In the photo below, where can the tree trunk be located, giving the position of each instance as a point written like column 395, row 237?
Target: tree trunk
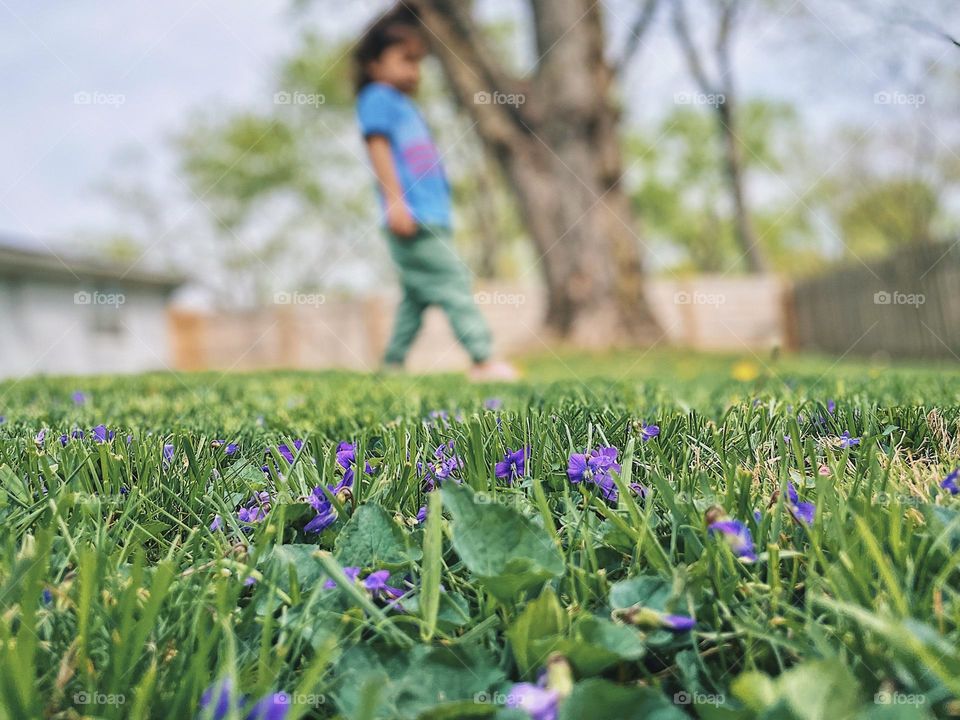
column 557, row 143
column 733, row 167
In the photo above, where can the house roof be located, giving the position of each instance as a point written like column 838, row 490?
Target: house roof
column 21, row 256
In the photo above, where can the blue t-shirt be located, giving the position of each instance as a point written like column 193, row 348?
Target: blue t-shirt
column 384, row 110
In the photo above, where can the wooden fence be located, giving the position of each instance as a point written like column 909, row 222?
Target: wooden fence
column 703, row 312
column 906, row 305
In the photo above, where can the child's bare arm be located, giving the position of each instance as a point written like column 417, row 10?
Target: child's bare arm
column 399, row 219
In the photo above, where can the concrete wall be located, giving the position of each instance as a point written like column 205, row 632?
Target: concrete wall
column 55, row 327
column 703, row 312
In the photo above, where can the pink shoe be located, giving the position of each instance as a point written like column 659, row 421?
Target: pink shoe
column 493, row 371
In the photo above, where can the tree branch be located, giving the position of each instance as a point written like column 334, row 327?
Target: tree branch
column 637, row 34
column 690, row 52
column 469, row 65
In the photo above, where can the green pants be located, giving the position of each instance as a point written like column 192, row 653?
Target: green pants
column 431, row 273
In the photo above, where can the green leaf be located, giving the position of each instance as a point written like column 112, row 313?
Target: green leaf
column 647, row 590
column 598, row 644
column 426, row 682
column 371, row 539
column 432, row 567
column 812, row 690
column 298, row 556
column 506, row 552
column 537, row 631
column 602, row 699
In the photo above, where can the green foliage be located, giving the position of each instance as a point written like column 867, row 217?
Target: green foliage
column 115, row 586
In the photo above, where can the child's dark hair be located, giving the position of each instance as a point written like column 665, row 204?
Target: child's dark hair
column 393, row 27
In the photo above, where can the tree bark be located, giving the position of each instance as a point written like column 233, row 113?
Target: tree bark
column 558, row 146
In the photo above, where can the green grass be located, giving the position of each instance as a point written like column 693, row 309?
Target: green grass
column 117, row 599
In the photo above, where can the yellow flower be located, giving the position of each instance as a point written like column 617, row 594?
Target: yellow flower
column 745, row 371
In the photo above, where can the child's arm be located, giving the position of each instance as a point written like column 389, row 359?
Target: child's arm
column 399, row 219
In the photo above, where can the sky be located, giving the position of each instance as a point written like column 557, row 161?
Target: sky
column 90, row 86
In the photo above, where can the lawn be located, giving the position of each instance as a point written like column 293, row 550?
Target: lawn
column 622, row 536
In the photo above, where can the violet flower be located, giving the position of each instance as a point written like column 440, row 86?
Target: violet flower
column 950, row 482
column 219, row 701
column 596, row 467
column 513, row 465
column 737, row 536
column 846, row 441
column 648, row 432
column 540, row 703
column 443, row 467
column 326, row 512
column 802, row 511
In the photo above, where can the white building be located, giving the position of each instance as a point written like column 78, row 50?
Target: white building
column 65, row 315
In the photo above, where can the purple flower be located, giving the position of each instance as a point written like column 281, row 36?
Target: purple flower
column 950, row 482
column 538, row 702
column 444, row 465
column 347, row 459
column 219, row 698
column 493, row 403
column 678, row 623
column 326, row 512
column 168, row 451
column 219, row 701
column 351, row 572
column 64, row 439
column 737, row 536
column 40, row 437
column 46, row 596
column 513, row 464
column 286, row 452
column 607, row 487
column 831, row 406
column 376, row 583
column 79, row 398
column 216, row 524
column 648, row 432
column 422, row 514
column 846, row 441
column 597, row 467
column 802, row 511
column 639, row 489
column 256, row 508
column 100, row 434
column 228, row 448
column 271, row 707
